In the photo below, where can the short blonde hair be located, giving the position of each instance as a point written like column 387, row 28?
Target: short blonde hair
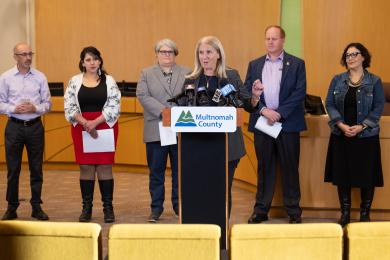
column 166, row 42
column 221, row 63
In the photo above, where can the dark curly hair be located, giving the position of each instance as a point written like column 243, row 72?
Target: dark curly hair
column 95, row 53
column 363, row 51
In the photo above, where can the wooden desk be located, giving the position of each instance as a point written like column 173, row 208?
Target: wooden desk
column 319, row 199
column 58, row 153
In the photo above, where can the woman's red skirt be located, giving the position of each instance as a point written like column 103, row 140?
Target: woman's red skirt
column 92, row 158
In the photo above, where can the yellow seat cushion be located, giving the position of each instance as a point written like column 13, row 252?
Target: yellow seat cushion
column 164, row 242
column 286, row 241
column 369, row 240
column 30, row 240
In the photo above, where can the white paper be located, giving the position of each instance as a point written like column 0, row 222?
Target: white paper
column 167, row 136
column 103, row 143
column 271, row 130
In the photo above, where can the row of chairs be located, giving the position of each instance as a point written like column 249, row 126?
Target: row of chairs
column 20, row 240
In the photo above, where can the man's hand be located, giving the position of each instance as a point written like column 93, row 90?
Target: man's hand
column 271, row 115
column 24, row 108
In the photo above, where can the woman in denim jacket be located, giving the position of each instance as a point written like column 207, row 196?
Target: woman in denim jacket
column 355, row 103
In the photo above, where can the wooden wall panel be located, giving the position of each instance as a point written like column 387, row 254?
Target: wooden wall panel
column 329, row 25
column 126, row 30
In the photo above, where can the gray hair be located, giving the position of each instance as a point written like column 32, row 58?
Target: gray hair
column 167, row 42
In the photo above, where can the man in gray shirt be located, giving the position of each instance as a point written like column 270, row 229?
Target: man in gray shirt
column 24, row 97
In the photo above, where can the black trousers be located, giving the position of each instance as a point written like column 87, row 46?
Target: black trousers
column 232, row 165
column 285, row 151
column 16, row 137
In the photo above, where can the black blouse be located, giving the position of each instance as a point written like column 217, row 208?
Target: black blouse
column 350, row 109
column 211, row 82
column 92, row 99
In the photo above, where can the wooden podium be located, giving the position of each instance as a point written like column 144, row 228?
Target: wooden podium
column 203, row 175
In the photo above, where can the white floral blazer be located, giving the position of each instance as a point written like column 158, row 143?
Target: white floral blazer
column 111, row 109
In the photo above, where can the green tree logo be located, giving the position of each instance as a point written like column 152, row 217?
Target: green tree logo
column 185, row 119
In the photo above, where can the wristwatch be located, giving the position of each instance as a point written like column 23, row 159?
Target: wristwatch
column 364, row 126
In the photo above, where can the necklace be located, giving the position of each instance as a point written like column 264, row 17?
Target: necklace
column 167, row 75
column 90, row 81
column 357, row 83
column 207, row 80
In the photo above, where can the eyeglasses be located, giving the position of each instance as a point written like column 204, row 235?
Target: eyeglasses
column 351, row 55
column 167, row 53
column 25, row 54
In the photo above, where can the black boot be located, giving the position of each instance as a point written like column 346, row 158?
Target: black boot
column 366, row 195
column 87, row 187
column 107, row 190
column 345, row 204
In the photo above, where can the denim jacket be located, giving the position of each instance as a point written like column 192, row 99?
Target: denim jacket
column 370, row 101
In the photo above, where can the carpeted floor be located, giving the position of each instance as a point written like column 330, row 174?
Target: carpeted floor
column 62, row 200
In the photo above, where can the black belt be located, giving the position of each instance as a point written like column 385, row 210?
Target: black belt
column 26, row 122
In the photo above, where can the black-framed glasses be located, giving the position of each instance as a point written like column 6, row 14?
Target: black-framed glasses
column 167, row 53
column 25, row 54
column 351, row 55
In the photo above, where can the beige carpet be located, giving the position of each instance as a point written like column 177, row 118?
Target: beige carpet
column 62, row 200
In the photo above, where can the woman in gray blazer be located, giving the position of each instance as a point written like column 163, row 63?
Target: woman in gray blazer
column 157, row 84
column 210, row 73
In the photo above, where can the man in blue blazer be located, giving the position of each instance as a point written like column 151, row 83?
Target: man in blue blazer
column 283, row 79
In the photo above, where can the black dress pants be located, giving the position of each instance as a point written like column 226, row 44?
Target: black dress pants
column 17, row 135
column 284, row 150
column 232, row 165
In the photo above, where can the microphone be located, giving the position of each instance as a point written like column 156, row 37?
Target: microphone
column 230, row 92
column 185, row 98
column 203, row 98
column 189, row 90
column 180, row 99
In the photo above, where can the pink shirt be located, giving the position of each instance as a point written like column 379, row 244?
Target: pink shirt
column 271, row 77
column 16, row 87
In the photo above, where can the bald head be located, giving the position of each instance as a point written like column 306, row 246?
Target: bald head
column 21, row 46
column 23, row 56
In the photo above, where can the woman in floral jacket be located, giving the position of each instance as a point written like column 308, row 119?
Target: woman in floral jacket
column 92, row 103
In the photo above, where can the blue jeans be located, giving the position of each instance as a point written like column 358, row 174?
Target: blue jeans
column 157, row 156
